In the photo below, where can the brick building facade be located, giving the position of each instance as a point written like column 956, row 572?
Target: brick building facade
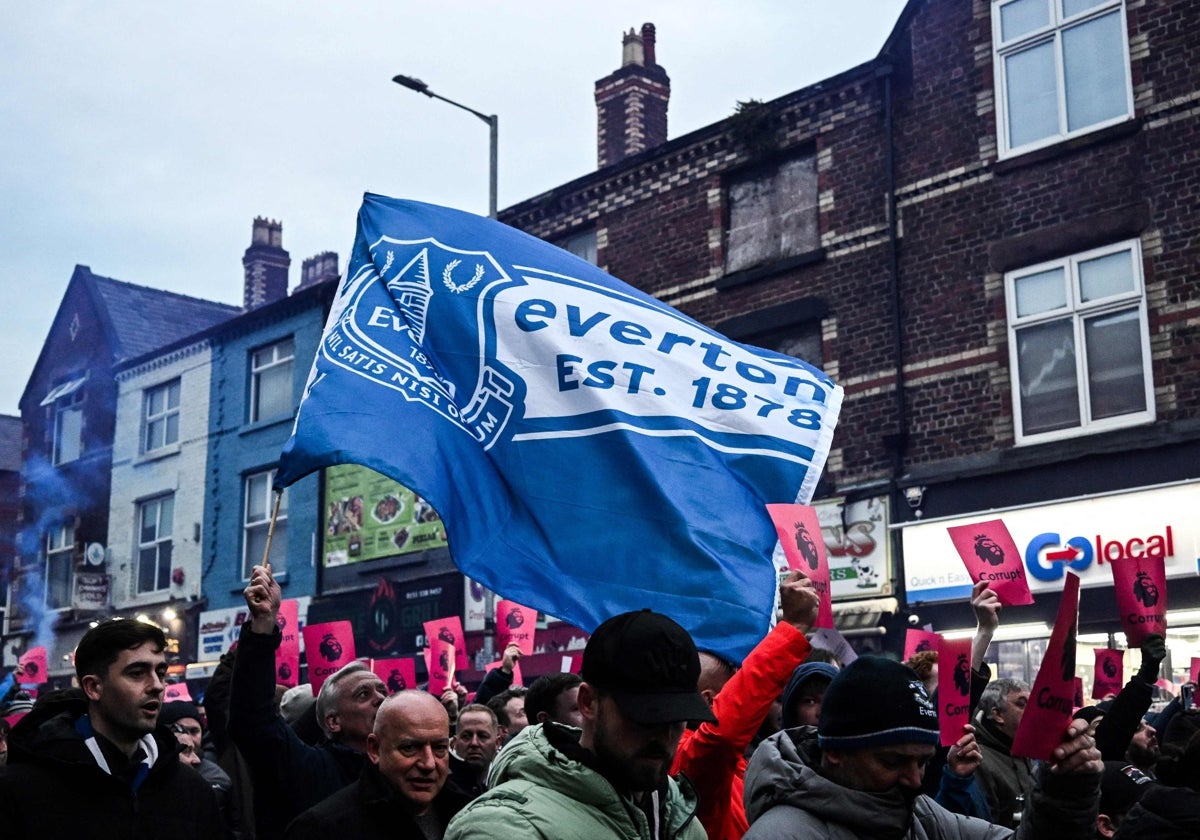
column 987, row 235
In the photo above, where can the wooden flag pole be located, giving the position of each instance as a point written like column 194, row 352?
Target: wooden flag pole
column 271, row 531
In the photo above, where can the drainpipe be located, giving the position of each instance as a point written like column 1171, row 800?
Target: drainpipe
column 898, row 441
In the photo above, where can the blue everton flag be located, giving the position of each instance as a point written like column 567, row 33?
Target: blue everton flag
column 590, row 449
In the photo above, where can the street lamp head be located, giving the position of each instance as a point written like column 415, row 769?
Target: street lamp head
column 412, row 83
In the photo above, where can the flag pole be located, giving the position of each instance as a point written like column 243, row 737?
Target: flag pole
column 271, row 531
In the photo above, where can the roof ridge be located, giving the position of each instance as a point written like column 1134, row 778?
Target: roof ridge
column 165, row 292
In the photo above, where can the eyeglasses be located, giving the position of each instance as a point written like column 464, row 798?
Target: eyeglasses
column 411, row 749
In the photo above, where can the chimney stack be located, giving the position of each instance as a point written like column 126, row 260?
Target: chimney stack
column 318, row 269
column 631, row 103
column 266, row 265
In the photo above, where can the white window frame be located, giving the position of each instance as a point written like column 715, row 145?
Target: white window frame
column 71, row 403
column 1079, row 312
column 1052, row 32
column 60, row 547
column 154, row 421
column 258, row 502
column 258, row 369
column 164, row 532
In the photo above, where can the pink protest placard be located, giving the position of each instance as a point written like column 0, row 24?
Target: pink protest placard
column 917, row 640
column 1141, row 588
column 397, row 674
column 954, row 688
column 517, row 678
column 328, row 646
column 1195, row 674
column 439, row 662
column 515, row 624
column 989, row 553
column 35, row 665
column 449, row 630
column 1052, row 698
column 177, row 691
column 1078, row 702
column 800, row 535
column 287, row 655
column 1109, row 674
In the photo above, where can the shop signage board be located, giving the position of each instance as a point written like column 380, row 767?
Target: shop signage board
column 858, row 546
column 218, row 629
column 1085, row 536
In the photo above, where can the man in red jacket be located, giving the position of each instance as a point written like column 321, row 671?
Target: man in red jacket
column 712, row 755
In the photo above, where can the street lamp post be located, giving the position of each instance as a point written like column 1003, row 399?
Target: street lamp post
column 492, row 120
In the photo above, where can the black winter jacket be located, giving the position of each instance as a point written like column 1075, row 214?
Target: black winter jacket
column 369, row 810
column 289, row 775
column 53, row 787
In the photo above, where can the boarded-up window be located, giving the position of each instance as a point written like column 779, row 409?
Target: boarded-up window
column 801, row 340
column 772, row 215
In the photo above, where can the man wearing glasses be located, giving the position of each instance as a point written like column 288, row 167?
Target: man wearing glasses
column 402, row 792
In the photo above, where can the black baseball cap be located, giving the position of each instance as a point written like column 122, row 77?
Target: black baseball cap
column 650, row 667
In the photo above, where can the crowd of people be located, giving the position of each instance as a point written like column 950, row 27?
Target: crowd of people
column 652, row 739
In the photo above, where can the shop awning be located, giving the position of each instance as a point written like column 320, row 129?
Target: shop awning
column 861, row 618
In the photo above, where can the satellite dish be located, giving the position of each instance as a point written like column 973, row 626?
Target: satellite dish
column 94, row 554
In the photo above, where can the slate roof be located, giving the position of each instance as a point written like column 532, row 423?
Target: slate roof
column 10, row 443
column 142, row 319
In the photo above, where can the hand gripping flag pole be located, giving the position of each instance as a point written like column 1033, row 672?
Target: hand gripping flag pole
column 266, row 563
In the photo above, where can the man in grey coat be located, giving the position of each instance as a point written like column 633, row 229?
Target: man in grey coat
column 858, row 772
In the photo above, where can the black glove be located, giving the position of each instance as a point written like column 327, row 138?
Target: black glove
column 1154, row 651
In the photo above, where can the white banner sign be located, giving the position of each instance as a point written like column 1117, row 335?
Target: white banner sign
column 1085, row 536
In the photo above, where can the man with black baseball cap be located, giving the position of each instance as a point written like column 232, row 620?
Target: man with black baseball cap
column 858, row 772
column 608, row 779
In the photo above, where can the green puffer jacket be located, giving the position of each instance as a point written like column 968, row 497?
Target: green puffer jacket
column 538, row 791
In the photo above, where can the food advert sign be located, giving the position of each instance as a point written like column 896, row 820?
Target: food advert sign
column 368, row 516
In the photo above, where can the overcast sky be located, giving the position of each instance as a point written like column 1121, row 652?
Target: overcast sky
column 142, row 138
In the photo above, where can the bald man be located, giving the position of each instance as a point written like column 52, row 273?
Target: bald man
column 402, row 792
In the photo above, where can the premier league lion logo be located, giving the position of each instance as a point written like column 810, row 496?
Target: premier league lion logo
column 806, row 546
column 444, row 661
column 1068, row 657
column 446, row 636
column 396, row 681
column 285, row 673
column 1109, row 668
column 962, row 675
column 1145, row 590
column 987, row 550
column 514, row 619
column 330, row 647
column 31, row 669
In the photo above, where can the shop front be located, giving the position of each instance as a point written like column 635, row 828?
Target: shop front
column 1086, row 536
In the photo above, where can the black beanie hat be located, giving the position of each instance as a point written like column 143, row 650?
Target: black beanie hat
column 177, row 710
column 873, row 702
